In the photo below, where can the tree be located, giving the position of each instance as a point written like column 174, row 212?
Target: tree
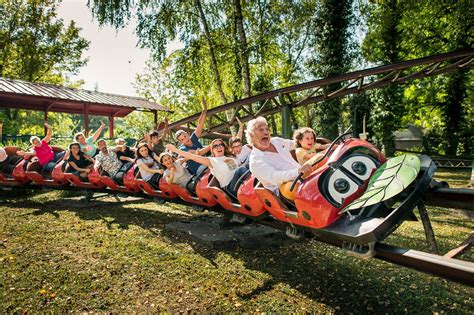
column 382, row 45
column 37, row 47
column 243, row 49
column 401, row 30
column 444, row 26
column 332, row 47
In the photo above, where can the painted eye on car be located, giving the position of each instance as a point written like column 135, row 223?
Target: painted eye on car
column 360, row 166
column 340, row 186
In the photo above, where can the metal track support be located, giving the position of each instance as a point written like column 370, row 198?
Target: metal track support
column 429, row 233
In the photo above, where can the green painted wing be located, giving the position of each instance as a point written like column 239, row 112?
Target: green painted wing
column 388, row 180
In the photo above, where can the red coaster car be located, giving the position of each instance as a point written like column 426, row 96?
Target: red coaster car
column 77, row 181
column 328, row 189
column 129, row 186
column 246, row 201
column 203, row 196
column 35, row 172
column 13, row 171
column 165, row 191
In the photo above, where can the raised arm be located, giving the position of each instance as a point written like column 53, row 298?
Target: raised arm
column 197, row 158
column 98, row 131
column 49, row 133
column 203, row 151
column 202, row 119
column 165, row 131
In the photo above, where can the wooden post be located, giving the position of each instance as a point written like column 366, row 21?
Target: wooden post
column 155, row 117
column 45, row 120
column 86, row 120
column 111, row 127
column 285, row 122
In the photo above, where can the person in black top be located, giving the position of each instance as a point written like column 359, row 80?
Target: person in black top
column 125, row 154
column 80, row 164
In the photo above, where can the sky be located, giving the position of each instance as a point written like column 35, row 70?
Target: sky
column 114, row 57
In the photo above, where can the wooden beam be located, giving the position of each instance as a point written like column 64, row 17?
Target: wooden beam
column 155, row 117
column 45, row 120
column 86, row 120
column 461, row 249
column 388, row 70
column 111, row 127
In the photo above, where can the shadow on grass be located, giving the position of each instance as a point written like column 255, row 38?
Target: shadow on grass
column 112, row 213
column 320, row 272
column 327, row 275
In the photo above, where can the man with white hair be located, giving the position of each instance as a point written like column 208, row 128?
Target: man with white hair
column 271, row 161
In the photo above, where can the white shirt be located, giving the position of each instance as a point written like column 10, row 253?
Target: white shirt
column 151, row 163
column 273, row 169
column 244, row 153
column 181, row 177
column 223, row 168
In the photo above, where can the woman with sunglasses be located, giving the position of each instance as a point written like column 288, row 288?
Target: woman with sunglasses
column 222, row 164
column 149, row 165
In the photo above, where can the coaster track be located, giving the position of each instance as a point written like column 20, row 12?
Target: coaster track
column 317, row 91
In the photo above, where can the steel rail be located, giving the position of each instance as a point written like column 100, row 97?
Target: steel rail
column 458, row 198
column 448, row 268
column 441, row 266
column 431, row 66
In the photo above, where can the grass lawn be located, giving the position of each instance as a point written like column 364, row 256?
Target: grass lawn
column 60, row 255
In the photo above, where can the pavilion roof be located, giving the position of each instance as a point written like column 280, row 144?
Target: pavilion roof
column 49, row 97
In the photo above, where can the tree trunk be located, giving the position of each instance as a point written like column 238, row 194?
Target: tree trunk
column 453, row 111
column 210, row 43
column 244, row 55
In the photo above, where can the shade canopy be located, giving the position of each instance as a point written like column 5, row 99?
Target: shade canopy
column 53, row 98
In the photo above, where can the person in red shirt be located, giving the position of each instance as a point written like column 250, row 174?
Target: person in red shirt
column 43, row 151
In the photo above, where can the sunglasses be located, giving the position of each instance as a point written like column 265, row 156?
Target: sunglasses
column 217, row 145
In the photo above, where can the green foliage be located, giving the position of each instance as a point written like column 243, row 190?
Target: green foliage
column 333, row 56
column 38, row 47
column 134, row 125
column 277, row 35
column 401, row 30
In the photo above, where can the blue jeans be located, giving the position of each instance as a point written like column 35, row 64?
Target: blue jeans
column 48, row 167
column 235, row 183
